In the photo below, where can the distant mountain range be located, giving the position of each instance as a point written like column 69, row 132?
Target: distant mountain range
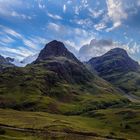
column 54, row 81
column 115, row 66
column 56, row 85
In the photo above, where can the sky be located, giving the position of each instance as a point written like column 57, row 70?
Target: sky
column 27, row 25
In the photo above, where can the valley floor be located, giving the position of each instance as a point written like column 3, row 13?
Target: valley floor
column 115, row 123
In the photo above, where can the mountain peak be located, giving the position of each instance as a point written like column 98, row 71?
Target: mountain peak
column 117, row 51
column 55, row 49
column 115, row 60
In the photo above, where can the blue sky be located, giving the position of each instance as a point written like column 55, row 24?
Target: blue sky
column 27, row 25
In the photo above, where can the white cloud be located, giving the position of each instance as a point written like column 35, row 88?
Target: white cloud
column 54, row 27
column 116, row 12
column 61, row 32
column 96, row 48
column 71, row 46
column 7, row 9
column 30, row 45
column 84, row 23
column 11, row 32
column 99, row 47
column 6, row 39
column 23, row 16
column 69, row 2
column 95, row 13
column 77, row 10
column 100, row 26
column 41, row 6
column 54, row 16
column 61, row 29
column 84, row 3
column 64, row 8
column 10, row 3
column 35, row 42
column 138, row 2
column 32, row 42
column 18, row 53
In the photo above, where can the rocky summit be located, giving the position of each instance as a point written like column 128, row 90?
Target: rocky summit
column 55, row 49
column 116, row 60
column 55, row 57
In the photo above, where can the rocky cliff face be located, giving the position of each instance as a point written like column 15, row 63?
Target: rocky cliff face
column 115, row 61
column 55, row 49
column 55, row 57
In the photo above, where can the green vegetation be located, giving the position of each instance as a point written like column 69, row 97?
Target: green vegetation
column 59, row 98
column 118, row 123
column 129, row 82
column 39, row 88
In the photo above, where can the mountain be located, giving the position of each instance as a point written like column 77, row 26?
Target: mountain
column 56, row 82
column 29, row 59
column 57, row 93
column 55, row 49
column 118, row 68
column 5, row 62
column 116, row 60
column 57, row 58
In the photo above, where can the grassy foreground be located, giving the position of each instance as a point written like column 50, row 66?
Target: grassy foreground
column 117, row 123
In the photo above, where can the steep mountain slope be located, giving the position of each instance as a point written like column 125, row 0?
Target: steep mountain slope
column 118, row 68
column 56, row 82
column 55, row 49
column 4, row 63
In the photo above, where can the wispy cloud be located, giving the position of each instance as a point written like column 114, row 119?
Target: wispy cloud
column 99, row 47
column 100, row 26
column 18, row 53
column 64, row 8
column 7, row 9
column 23, row 16
column 95, row 13
column 54, row 16
column 9, row 38
column 10, row 31
column 6, row 39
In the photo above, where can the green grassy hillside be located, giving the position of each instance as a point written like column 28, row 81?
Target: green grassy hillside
column 129, row 82
column 119, row 69
column 57, row 97
column 37, row 88
column 119, row 123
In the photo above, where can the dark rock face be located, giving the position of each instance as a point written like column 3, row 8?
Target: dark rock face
column 55, row 57
column 4, row 63
column 116, row 60
column 55, row 49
